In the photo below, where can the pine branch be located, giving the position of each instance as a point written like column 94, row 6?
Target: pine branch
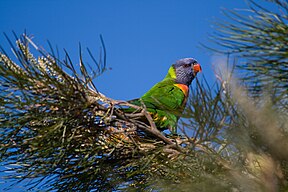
column 259, row 36
column 60, row 133
column 54, row 122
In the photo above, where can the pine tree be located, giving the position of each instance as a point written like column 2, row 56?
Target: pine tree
column 58, row 132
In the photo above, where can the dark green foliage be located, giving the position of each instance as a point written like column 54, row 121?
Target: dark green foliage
column 259, row 35
column 60, row 133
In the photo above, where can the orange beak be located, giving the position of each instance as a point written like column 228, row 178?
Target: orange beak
column 197, row 68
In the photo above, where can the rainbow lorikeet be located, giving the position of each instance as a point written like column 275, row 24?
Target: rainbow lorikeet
column 166, row 100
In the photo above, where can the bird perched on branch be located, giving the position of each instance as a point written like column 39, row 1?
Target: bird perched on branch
column 166, row 100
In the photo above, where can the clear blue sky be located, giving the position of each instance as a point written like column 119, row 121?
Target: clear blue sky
column 142, row 37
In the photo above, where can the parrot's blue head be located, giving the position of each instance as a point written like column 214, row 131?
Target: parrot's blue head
column 186, row 70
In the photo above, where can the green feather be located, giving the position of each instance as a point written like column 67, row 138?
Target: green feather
column 164, row 101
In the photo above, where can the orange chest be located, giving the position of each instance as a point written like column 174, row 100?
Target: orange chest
column 184, row 89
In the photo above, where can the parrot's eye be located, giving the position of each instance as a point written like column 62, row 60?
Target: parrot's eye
column 186, row 65
column 194, row 62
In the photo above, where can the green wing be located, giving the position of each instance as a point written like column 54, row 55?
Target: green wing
column 164, row 101
column 166, row 96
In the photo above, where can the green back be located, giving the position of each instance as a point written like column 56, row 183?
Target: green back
column 165, row 102
column 164, row 95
